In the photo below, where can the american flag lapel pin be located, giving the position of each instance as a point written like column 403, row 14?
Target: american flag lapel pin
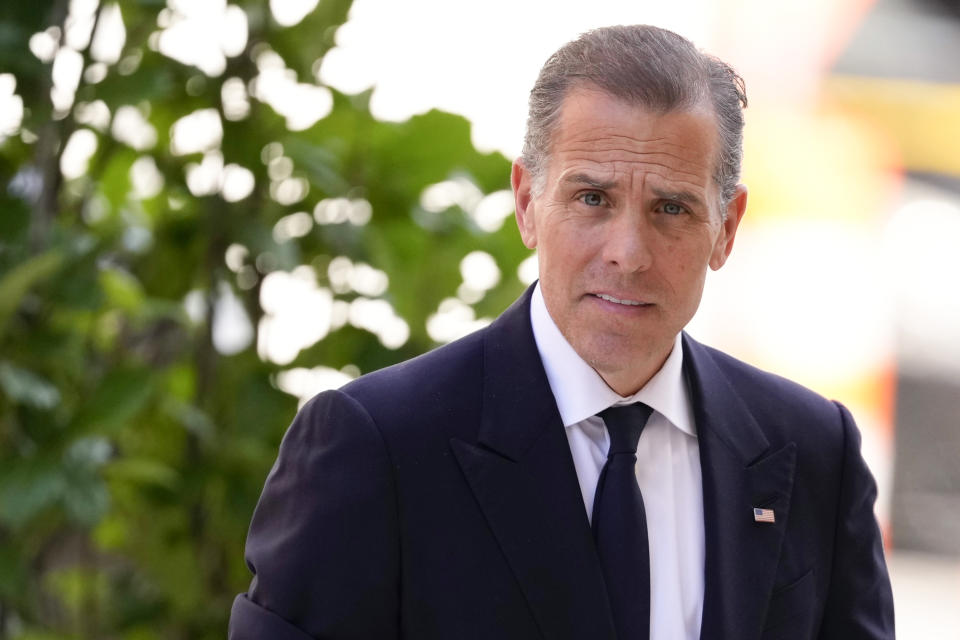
column 763, row 515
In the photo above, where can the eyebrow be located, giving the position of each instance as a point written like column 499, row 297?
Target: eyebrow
column 680, row 196
column 582, row 178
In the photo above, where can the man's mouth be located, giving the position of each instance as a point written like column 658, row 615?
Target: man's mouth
column 629, row 303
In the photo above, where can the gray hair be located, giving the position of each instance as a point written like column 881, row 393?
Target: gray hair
column 643, row 65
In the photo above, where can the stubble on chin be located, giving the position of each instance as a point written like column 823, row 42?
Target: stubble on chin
column 624, row 363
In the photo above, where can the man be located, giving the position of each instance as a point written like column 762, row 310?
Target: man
column 488, row 490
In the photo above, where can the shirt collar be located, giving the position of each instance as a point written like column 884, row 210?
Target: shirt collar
column 579, row 390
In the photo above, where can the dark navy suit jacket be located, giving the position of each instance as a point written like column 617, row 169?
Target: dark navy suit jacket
column 438, row 499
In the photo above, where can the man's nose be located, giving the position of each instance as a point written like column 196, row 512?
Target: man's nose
column 627, row 244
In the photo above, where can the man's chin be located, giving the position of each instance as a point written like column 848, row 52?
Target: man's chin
column 628, row 362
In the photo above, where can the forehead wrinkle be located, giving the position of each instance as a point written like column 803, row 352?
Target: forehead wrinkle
column 631, row 143
column 631, row 139
column 626, row 140
column 684, row 163
column 607, row 167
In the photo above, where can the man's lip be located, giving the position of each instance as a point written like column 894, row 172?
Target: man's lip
column 622, row 299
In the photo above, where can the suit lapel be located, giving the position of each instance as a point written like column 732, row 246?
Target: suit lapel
column 740, row 471
column 522, row 475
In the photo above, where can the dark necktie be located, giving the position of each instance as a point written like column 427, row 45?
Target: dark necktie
column 620, row 524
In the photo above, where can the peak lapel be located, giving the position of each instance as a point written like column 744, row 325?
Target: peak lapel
column 740, row 472
column 523, row 477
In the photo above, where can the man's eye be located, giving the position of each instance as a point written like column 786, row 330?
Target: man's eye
column 672, row 208
column 592, row 199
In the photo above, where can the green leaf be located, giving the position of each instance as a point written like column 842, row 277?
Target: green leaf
column 193, row 419
column 143, row 471
column 13, row 569
column 123, row 290
column 15, row 220
column 114, row 182
column 121, row 395
column 77, row 587
column 23, row 386
column 19, row 21
column 308, row 40
column 86, row 499
column 36, row 633
column 27, row 488
column 18, row 281
column 112, row 532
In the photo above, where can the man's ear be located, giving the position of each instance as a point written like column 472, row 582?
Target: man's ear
column 522, row 181
column 724, row 244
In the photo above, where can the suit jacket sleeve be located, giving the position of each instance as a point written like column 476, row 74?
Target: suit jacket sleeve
column 323, row 542
column 859, row 603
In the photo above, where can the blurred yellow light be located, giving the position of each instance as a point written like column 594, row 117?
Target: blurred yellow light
column 820, row 165
column 922, row 117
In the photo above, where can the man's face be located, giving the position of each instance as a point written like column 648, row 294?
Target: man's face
column 627, row 222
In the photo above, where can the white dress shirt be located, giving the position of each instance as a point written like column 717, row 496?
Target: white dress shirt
column 668, row 468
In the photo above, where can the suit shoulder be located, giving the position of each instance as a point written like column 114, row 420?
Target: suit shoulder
column 406, row 401
column 416, row 376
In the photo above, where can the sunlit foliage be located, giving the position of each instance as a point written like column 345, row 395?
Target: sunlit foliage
column 194, row 233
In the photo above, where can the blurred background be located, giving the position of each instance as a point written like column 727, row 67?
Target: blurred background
column 210, row 212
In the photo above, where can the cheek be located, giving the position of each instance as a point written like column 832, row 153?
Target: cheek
column 567, row 246
column 686, row 263
column 676, row 251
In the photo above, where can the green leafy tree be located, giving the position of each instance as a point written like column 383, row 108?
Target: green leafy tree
column 135, row 433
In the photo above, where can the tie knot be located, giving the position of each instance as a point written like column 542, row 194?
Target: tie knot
column 625, row 424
